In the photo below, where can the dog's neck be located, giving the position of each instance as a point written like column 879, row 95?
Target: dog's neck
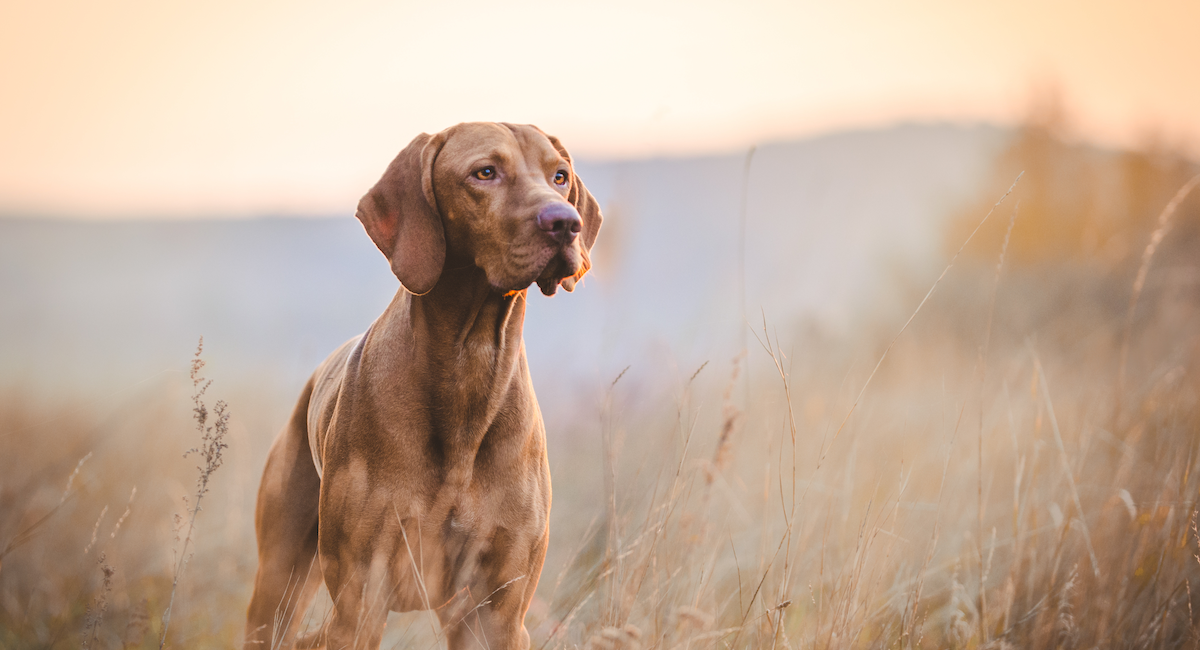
column 466, row 336
column 464, row 315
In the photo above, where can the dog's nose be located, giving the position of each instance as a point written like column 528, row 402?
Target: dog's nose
column 560, row 221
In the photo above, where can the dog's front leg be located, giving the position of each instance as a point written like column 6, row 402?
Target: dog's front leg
column 361, row 596
column 489, row 613
column 357, row 545
column 484, row 626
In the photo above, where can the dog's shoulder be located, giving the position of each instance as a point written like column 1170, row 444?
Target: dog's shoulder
column 327, row 383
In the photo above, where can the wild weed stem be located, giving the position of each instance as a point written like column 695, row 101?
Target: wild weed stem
column 212, row 445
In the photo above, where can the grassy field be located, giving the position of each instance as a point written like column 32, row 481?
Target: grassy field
column 1015, row 467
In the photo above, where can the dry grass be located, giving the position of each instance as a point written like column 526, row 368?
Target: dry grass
column 952, row 511
column 979, row 488
column 97, row 522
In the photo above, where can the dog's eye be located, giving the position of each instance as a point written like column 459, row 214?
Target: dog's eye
column 560, row 178
column 486, row 174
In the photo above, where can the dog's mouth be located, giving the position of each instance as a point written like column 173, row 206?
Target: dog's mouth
column 561, row 271
column 548, row 265
column 555, row 266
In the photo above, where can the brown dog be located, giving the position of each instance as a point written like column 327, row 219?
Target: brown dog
column 414, row 465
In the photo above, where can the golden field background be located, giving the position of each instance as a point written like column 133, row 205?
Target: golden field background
column 1019, row 472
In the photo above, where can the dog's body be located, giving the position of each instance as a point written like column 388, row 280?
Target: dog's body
column 414, row 466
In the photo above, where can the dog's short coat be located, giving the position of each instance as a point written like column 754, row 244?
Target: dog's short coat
column 413, row 473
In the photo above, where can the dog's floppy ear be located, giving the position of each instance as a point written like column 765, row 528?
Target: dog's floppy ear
column 589, row 211
column 401, row 215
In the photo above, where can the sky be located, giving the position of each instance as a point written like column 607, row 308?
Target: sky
column 164, row 108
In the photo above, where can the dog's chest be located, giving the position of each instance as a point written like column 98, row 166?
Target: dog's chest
column 474, row 382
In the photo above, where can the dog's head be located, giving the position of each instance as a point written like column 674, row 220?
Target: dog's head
column 504, row 197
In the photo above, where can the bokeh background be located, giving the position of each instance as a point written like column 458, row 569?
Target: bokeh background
column 782, row 184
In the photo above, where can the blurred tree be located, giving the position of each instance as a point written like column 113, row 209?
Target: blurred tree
column 1079, row 204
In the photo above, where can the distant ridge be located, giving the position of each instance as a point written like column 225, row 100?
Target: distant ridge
column 89, row 303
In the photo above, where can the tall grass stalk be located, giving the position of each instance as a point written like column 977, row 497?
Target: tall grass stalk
column 983, row 365
column 1164, row 225
column 212, row 445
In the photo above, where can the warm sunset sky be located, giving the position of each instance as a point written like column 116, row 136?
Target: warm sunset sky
column 217, row 107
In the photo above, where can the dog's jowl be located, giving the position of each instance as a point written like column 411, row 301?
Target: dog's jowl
column 412, row 473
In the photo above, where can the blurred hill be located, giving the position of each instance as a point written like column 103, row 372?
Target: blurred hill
column 830, row 224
